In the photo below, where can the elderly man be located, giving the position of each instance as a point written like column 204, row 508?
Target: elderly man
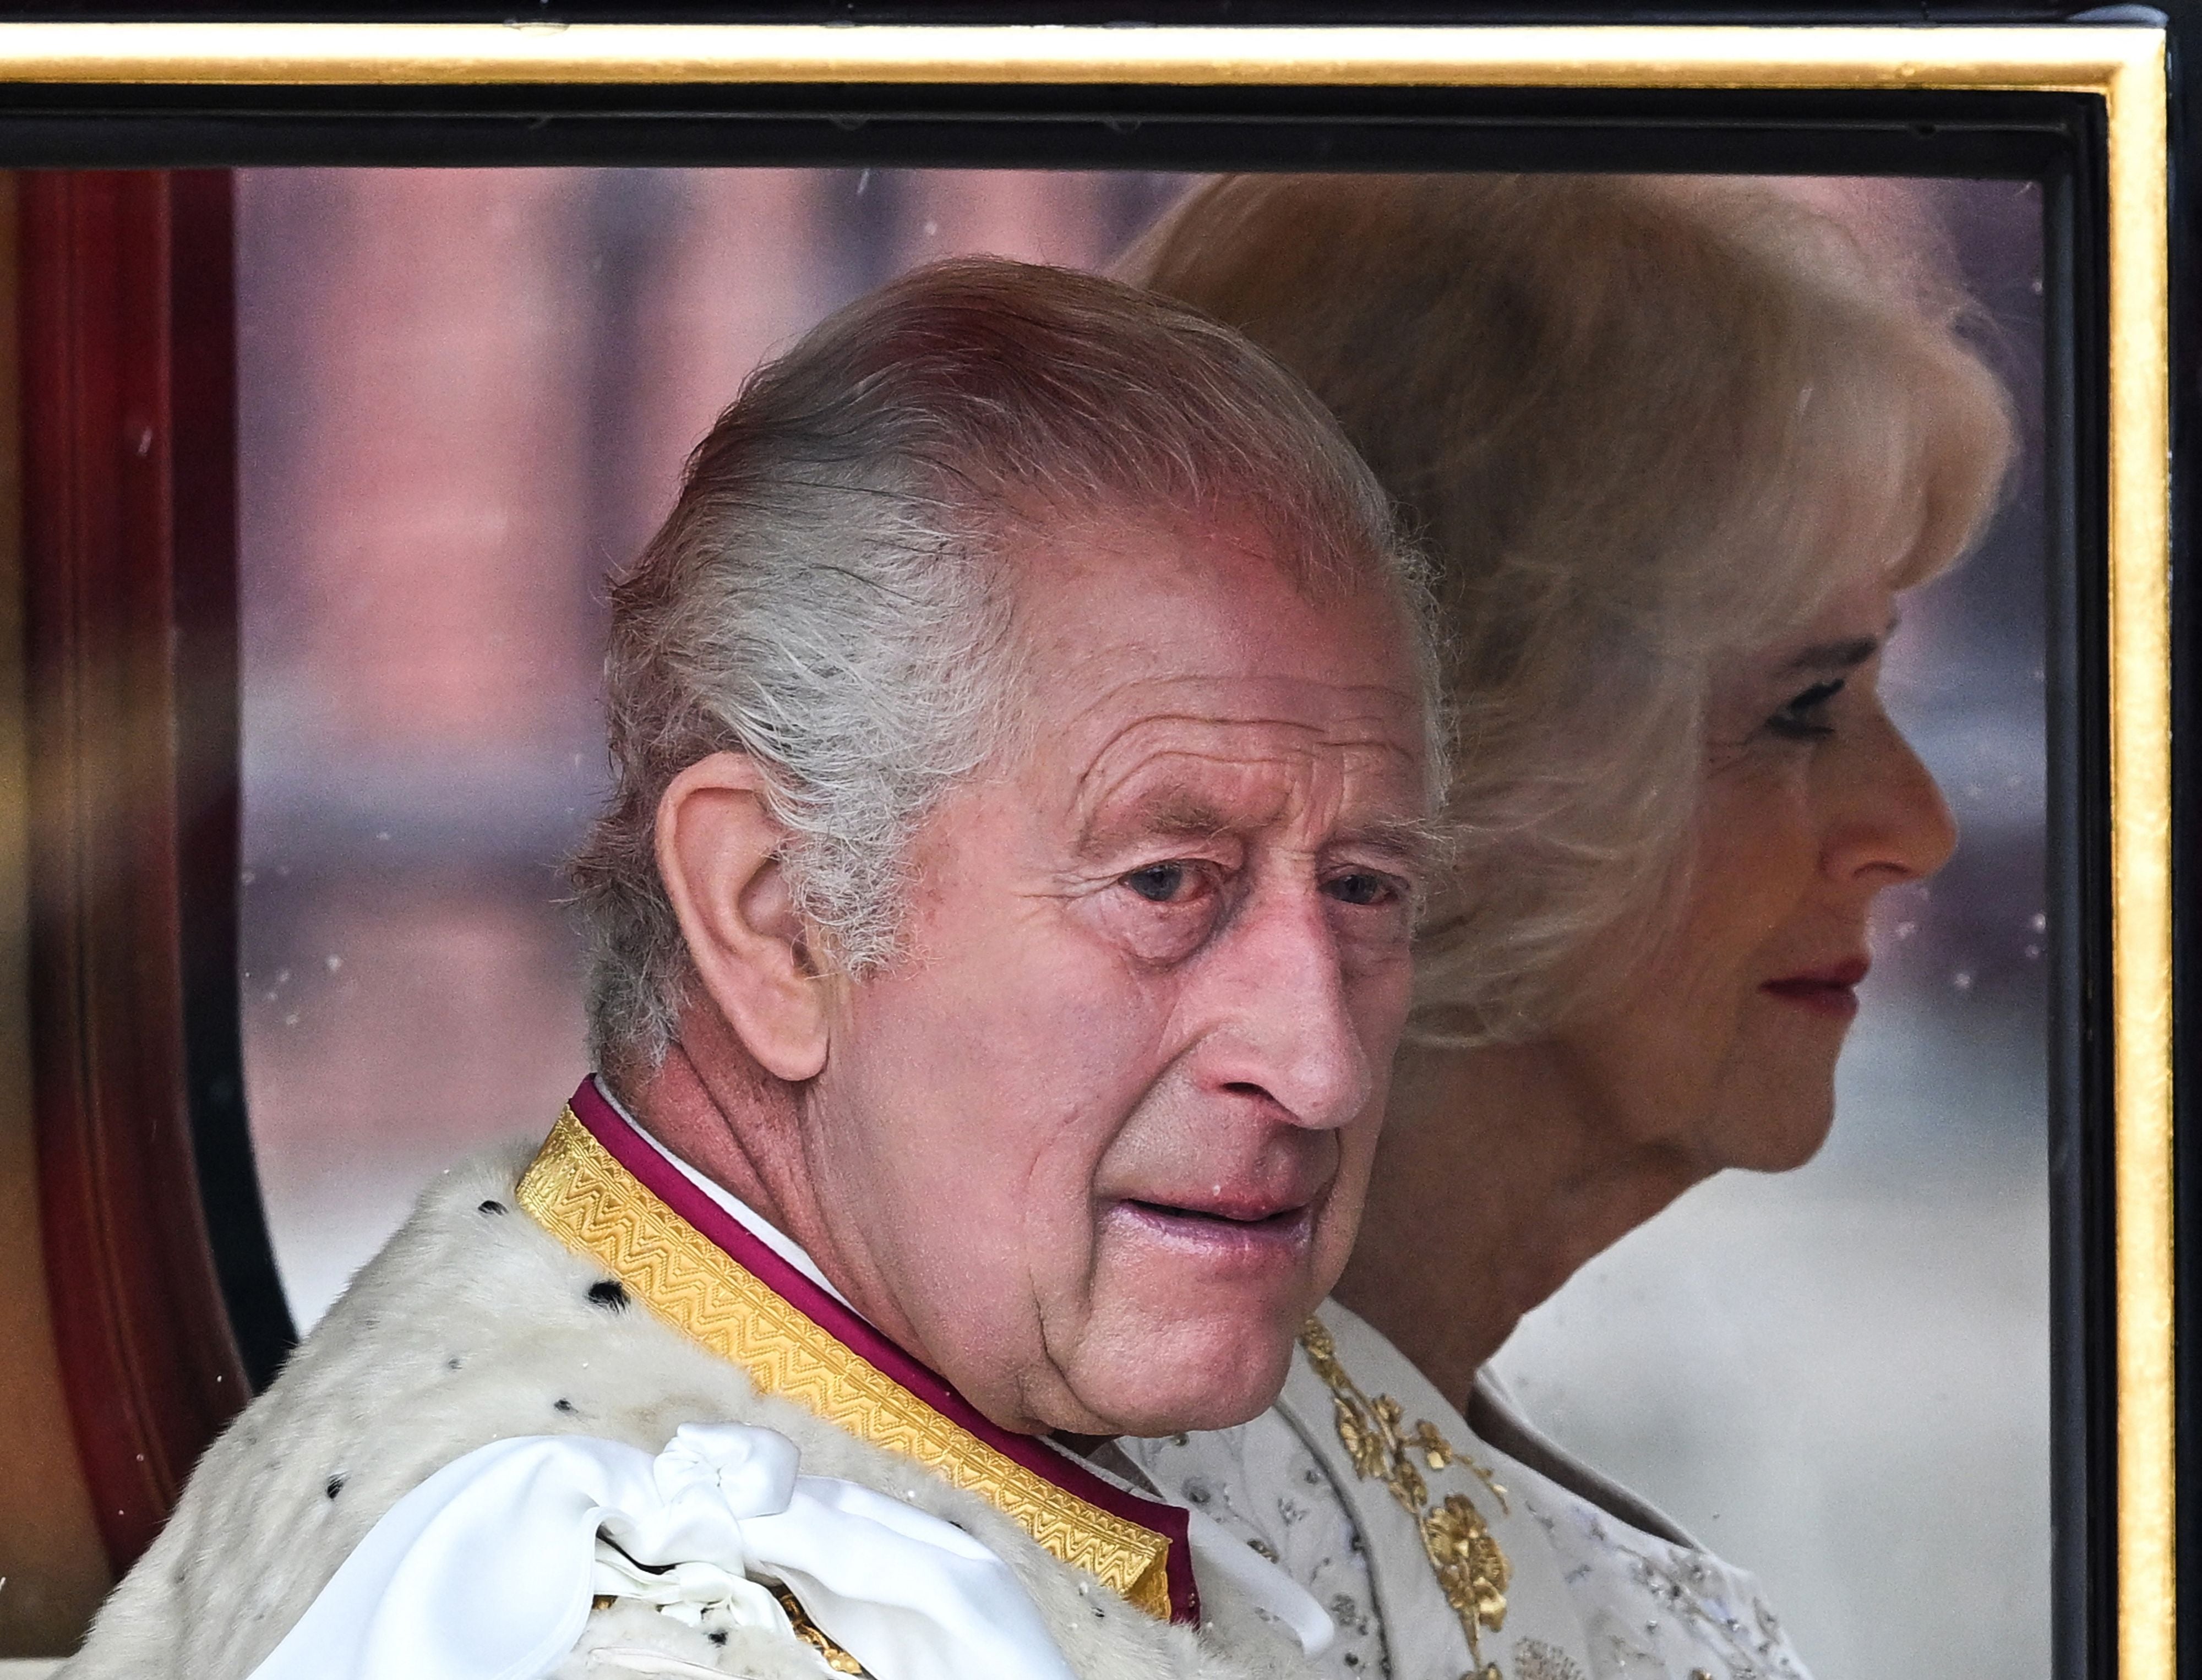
column 1024, row 756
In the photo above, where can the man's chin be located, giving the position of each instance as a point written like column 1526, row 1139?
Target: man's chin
column 1208, row 1380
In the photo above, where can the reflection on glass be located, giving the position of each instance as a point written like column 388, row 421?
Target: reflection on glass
column 465, row 394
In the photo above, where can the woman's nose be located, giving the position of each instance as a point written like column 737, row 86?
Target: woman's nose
column 1889, row 821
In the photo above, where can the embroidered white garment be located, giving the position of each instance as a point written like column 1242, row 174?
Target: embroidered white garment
column 487, row 1570
column 1261, row 1487
column 1590, row 1595
column 1218, row 1552
column 1652, row 1606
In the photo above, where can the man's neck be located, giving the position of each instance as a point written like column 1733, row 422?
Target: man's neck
column 726, row 1129
column 727, row 1202
column 711, row 1104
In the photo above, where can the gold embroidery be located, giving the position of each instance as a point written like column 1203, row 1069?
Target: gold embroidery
column 580, row 1194
column 806, row 1631
column 1472, row 1571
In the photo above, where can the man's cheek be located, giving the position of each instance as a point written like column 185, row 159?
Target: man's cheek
column 1381, row 990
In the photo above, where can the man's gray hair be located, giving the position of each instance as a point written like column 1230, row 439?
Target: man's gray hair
column 828, row 594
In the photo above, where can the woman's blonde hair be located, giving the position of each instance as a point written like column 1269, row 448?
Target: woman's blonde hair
column 1632, row 421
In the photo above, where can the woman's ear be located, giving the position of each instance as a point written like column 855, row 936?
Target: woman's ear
column 718, row 853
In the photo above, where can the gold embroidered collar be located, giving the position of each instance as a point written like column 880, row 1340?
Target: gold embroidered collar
column 587, row 1187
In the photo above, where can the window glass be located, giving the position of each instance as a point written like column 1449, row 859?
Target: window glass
column 466, row 395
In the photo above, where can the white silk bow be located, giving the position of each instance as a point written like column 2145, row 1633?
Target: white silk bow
column 486, row 1570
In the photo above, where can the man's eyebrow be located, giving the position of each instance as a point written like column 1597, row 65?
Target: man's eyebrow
column 1411, row 843
column 1168, row 813
column 1415, row 845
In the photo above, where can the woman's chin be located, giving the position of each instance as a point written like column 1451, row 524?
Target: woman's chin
column 1785, row 1134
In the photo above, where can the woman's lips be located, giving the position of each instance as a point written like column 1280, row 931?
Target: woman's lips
column 1830, row 991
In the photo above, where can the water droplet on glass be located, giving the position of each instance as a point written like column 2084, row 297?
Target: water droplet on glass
column 1963, row 980
column 334, row 961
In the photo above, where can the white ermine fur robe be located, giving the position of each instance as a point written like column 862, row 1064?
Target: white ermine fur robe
column 473, row 1325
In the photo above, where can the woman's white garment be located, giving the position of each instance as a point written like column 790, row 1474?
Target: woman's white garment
column 1589, row 1596
column 1261, row 1484
column 487, row 1570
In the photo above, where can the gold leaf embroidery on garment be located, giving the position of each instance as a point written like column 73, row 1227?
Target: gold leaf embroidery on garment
column 585, row 1198
column 806, row 1631
column 1472, row 1571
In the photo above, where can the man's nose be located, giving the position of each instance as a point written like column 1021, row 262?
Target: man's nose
column 1282, row 1022
column 1890, row 823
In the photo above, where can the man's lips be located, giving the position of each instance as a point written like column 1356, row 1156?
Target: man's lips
column 1828, row 990
column 1236, row 1235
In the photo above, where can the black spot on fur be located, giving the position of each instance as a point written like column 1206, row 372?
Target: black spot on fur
column 491, row 1207
column 336, row 1484
column 453, row 1363
column 564, row 1405
column 718, row 1636
column 610, row 1294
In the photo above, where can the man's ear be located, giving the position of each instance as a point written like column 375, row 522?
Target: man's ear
column 718, row 853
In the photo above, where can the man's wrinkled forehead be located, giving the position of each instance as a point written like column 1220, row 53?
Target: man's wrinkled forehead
column 1191, row 756
column 1155, row 641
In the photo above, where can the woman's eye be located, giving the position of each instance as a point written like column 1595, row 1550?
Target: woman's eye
column 1361, row 889
column 1804, row 717
column 1161, row 884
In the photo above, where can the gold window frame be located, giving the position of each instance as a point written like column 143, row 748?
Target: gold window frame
column 2123, row 65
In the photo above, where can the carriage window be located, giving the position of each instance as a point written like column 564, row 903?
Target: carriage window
column 466, row 395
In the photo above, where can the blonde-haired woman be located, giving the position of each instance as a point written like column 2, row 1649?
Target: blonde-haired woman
column 1675, row 447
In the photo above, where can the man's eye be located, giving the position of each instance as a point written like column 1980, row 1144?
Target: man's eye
column 1362, row 889
column 1805, row 718
column 1161, row 884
